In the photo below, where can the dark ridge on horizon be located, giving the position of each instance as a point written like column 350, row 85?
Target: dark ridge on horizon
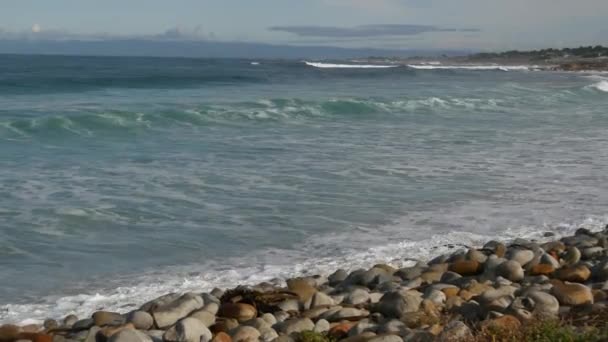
column 202, row 49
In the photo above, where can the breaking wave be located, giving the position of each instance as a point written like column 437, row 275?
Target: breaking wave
column 349, row 66
column 472, row 67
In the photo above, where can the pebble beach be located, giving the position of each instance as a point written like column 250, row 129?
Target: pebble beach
column 496, row 292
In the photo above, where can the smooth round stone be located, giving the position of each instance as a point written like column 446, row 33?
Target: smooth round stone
column 132, row 335
column 281, row 316
column 392, row 326
column 363, row 326
column 385, row 338
column 337, row 277
column 572, row 294
column 578, row 274
column 268, row 335
column 455, row 331
column 356, row 296
column 320, row 299
column 521, row 256
column 591, row 252
column 206, row 317
column 269, row 318
column 476, row 255
column 409, row 273
column 141, row 320
column 322, row 326
column 510, row 270
column 396, row 304
column 545, row 305
column 245, row 333
column 294, row 325
column 572, row 255
column 69, row 321
column 188, row 330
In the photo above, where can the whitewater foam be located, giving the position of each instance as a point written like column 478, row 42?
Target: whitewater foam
column 472, row 67
column 282, row 266
column 348, row 66
column 601, row 86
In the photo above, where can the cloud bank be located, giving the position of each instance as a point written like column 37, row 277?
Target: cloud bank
column 365, row 31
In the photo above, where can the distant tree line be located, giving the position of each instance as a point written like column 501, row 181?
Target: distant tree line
column 580, row 52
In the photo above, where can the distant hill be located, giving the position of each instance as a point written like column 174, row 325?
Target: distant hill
column 207, row 49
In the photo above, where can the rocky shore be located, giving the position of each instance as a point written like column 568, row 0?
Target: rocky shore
column 520, row 290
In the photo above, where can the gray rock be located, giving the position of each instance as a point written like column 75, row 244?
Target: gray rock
column 476, row 255
column 450, row 277
column 409, row 273
column 206, row 317
column 321, row 326
column 545, row 305
column 281, row 316
column 455, row 331
column 493, row 294
column 155, row 335
column 83, row 324
column 69, row 321
column 521, row 256
column 435, row 296
column 363, row 326
column 50, row 324
column 245, row 333
column 130, row 335
column 92, row 334
column 211, row 307
column 321, row 298
column 168, row 314
column 289, row 305
column 346, row 313
column 160, row 301
column 356, row 296
column 385, row 338
column 269, row 318
column 470, row 311
column 209, row 298
column 549, row 260
column 572, row 255
column 392, row 326
column 591, row 252
column 268, row 334
column 141, row 320
column 188, row 330
column 217, row 293
column 511, row 270
column 337, row 277
column 396, row 304
column 294, row 325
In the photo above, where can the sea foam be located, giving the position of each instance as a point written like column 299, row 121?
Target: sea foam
column 348, row 66
column 471, row 67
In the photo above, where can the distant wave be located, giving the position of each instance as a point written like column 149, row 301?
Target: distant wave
column 471, row 67
column 349, row 66
column 601, row 86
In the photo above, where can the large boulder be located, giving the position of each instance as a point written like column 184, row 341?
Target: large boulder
column 294, row 325
column 572, row 294
column 204, row 316
column 141, row 320
column 130, row 335
column 103, row 318
column 188, row 330
column 397, row 304
column 168, row 314
column 239, row 311
column 302, row 288
column 510, row 270
column 245, row 333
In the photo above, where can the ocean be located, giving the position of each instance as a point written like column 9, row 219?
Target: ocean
column 122, row 179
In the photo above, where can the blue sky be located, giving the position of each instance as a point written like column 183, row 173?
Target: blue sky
column 481, row 24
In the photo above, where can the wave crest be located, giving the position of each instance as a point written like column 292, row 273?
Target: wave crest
column 348, row 66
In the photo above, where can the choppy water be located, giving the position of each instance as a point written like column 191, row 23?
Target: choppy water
column 125, row 178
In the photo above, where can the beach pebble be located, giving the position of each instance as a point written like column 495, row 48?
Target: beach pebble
column 572, row 294
column 385, row 338
column 141, row 320
column 545, row 305
column 268, row 334
column 221, row 337
column 356, row 296
column 455, row 331
column 363, row 326
column 510, row 270
column 521, row 256
column 466, row 267
column 321, row 326
column 337, row 277
column 294, row 325
column 245, row 333
column 396, row 304
column 320, row 299
column 239, row 311
column 571, row 256
column 131, row 335
column 168, row 314
column 83, row 324
column 188, row 330
column 206, row 317
column 579, row 274
column 302, row 288
column 103, row 318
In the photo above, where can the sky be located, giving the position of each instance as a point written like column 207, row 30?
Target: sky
column 392, row 24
